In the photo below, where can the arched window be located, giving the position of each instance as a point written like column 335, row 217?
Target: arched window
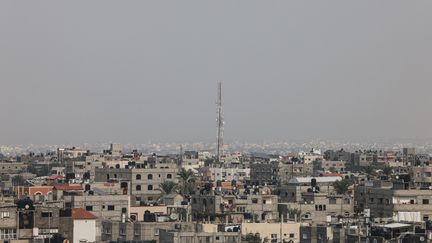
column 169, row 176
column 138, row 187
column 150, row 177
column 150, row 187
column 138, row 177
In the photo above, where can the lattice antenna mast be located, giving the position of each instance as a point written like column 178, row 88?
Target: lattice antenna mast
column 220, row 123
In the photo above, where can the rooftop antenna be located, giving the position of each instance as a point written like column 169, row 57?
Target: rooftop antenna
column 219, row 121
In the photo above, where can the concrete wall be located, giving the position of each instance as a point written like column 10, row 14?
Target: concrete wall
column 84, row 230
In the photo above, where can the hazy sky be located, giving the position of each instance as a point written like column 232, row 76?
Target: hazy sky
column 139, row 71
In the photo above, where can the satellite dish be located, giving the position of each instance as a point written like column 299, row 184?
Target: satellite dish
column 174, row 216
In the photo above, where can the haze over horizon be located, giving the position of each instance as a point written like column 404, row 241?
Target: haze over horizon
column 134, row 71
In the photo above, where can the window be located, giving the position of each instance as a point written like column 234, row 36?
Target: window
column 46, row 214
column 169, row 176
column 4, row 215
column 7, row 234
column 89, row 208
column 138, row 187
column 273, row 236
column 291, row 235
column 425, row 201
column 138, row 177
column 332, row 200
column 254, row 200
column 150, row 187
column 110, row 207
column 150, row 177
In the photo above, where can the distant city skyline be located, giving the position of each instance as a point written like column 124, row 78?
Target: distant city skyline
column 148, row 71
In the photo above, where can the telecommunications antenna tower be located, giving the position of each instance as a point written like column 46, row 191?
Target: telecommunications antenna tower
column 220, row 123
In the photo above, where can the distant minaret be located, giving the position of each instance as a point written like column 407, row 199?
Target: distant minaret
column 220, row 122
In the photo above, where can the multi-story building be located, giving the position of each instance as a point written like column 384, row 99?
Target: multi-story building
column 316, row 199
column 255, row 206
column 229, row 174
column 287, row 171
column 8, row 220
column 394, row 200
column 333, row 166
column 262, row 173
column 114, row 230
column 141, row 183
column 177, row 236
column 274, row 232
column 102, row 206
column 12, row 167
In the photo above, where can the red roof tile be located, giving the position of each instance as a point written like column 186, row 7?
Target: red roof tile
column 80, row 213
column 68, row 188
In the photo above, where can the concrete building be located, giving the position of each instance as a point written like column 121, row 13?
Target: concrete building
column 274, row 232
column 139, row 231
column 333, row 166
column 116, row 149
column 84, row 226
column 141, row 183
column 8, row 220
column 394, row 200
column 258, row 207
column 177, row 236
column 102, row 206
column 229, row 174
column 316, row 199
column 12, row 167
column 262, row 173
column 287, row 171
column 422, row 176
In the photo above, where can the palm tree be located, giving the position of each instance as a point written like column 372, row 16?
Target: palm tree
column 369, row 171
column 168, row 187
column 294, row 213
column 341, row 187
column 187, row 178
column 387, row 170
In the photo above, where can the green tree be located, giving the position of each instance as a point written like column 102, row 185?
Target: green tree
column 252, row 238
column 18, row 180
column 387, row 170
column 369, row 171
column 341, row 187
column 294, row 214
column 187, row 178
column 168, row 187
column 332, row 169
